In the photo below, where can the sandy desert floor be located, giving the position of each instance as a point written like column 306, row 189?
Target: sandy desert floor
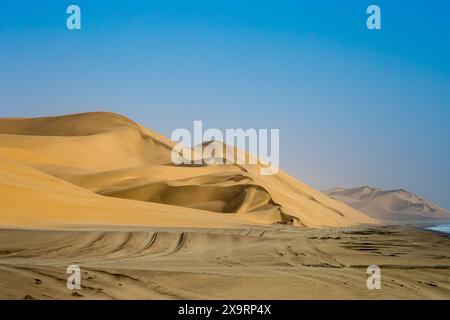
column 255, row 263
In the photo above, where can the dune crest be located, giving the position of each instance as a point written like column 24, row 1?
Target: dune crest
column 396, row 204
column 103, row 168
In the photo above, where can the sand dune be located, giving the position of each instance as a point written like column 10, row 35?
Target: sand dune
column 100, row 191
column 398, row 204
column 102, row 168
column 31, row 198
column 92, row 141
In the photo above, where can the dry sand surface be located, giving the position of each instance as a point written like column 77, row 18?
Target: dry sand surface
column 102, row 168
column 394, row 205
column 100, row 191
column 253, row 263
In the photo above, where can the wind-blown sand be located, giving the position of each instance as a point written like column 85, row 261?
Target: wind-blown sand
column 91, row 168
column 99, row 190
column 255, row 263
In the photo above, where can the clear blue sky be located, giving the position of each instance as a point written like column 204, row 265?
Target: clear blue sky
column 354, row 106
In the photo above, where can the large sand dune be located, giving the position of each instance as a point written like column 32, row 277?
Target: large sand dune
column 400, row 205
column 102, row 168
column 100, row 191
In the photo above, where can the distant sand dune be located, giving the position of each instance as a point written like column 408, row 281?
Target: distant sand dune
column 102, row 168
column 397, row 204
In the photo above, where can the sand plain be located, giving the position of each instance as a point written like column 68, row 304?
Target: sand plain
column 252, row 263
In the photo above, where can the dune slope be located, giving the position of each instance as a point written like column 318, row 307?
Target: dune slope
column 398, row 204
column 102, row 168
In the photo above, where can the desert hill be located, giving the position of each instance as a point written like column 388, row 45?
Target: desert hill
column 396, row 204
column 103, row 168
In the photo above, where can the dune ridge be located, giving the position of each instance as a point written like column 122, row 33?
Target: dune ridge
column 103, row 168
column 397, row 204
